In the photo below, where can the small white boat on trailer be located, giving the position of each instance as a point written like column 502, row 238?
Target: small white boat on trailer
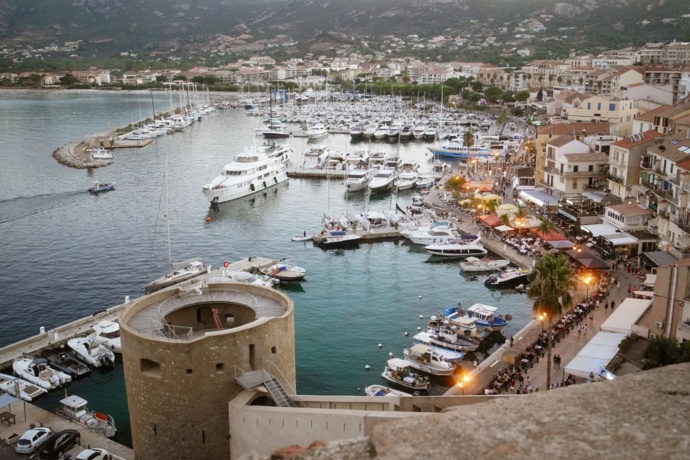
column 473, row 264
column 38, row 372
column 26, row 390
column 74, row 408
column 397, row 371
column 381, row 390
column 91, row 351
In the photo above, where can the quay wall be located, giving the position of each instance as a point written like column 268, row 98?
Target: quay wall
column 324, row 418
column 54, row 338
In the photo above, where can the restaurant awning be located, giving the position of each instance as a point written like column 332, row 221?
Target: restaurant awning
column 596, row 355
column 601, row 229
column 491, row 220
column 551, row 235
column 657, row 258
column 621, row 239
column 595, row 263
column 504, row 228
column 603, row 198
column 561, row 244
column 626, row 315
column 584, row 253
column 538, row 197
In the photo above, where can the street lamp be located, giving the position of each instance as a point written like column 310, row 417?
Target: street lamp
column 461, row 384
column 542, row 317
column 587, row 279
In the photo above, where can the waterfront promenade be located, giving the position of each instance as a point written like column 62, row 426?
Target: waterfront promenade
column 568, row 347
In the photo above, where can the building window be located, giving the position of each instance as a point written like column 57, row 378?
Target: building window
column 589, row 106
column 591, row 168
column 575, row 184
column 189, row 372
column 599, row 106
column 220, row 367
column 274, row 350
column 612, row 107
column 150, row 368
column 575, row 168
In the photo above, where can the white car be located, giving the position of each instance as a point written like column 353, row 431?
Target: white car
column 32, row 440
column 94, row 453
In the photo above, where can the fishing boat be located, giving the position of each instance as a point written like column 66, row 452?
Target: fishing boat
column 108, row 333
column 68, row 364
column 285, row 271
column 381, row 390
column 508, row 279
column 473, row 264
column 398, row 371
column 20, row 388
column 38, row 372
column 453, row 317
column 249, row 173
column 447, row 337
column 91, row 351
column 186, row 271
column 485, row 317
column 74, row 408
column 100, row 187
column 425, row 359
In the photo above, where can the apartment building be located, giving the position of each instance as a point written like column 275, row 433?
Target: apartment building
column 618, row 112
column 572, row 167
column 625, row 157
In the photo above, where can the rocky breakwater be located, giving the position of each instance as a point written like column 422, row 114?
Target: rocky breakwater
column 74, row 155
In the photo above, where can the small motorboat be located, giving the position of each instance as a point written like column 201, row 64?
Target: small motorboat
column 447, row 337
column 27, row 390
column 108, row 333
column 68, row 364
column 91, row 351
column 285, row 271
column 250, row 278
column 485, row 317
column 508, row 279
column 99, row 153
column 74, row 408
column 38, row 372
column 303, row 237
column 100, row 187
column 426, row 359
column 473, row 264
column 397, row 371
column 380, row 390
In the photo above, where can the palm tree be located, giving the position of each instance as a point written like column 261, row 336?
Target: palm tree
column 468, row 141
column 504, row 218
column 549, row 287
column 492, row 206
column 520, row 217
column 545, row 227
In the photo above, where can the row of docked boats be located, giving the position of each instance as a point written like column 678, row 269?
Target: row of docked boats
column 440, row 348
column 35, row 376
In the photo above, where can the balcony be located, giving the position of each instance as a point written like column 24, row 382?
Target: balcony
column 617, row 179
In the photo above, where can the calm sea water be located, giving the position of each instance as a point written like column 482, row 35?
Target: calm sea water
column 68, row 254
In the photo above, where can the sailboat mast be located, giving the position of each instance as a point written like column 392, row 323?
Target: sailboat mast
column 167, row 208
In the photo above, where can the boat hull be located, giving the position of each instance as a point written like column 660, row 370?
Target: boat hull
column 223, row 195
column 510, row 283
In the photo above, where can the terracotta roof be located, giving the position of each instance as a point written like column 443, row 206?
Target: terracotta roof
column 631, row 210
column 647, row 136
column 684, row 165
column 589, row 156
column 560, row 129
column 560, row 141
column 661, row 111
column 670, row 148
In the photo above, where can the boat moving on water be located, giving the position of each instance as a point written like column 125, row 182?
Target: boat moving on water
column 100, row 187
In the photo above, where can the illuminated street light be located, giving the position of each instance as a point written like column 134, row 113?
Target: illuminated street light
column 587, row 279
column 542, row 317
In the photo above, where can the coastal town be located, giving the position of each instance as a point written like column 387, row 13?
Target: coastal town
column 567, row 179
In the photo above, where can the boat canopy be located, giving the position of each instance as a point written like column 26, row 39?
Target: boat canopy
column 398, row 364
column 74, row 402
column 482, row 309
column 420, row 348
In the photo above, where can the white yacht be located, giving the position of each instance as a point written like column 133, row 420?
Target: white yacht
column 418, row 132
column 27, row 390
column 381, row 132
column 383, row 180
column 458, row 249
column 316, row 131
column 99, row 153
column 432, row 235
column 406, row 180
column 273, row 151
column 357, row 179
column 316, row 157
column 249, row 173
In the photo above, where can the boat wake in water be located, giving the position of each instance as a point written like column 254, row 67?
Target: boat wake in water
column 26, row 206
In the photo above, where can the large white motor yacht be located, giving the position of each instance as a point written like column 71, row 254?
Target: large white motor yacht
column 249, row 173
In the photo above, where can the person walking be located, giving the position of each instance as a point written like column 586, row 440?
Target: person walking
column 606, row 307
column 613, row 304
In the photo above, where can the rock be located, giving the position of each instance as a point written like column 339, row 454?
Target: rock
column 293, row 451
column 316, row 444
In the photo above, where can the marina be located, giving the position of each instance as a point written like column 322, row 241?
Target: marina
column 357, row 284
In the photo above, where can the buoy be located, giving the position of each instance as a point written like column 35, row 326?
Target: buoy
column 358, row 389
column 419, row 297
column 421, row 316
column 406, row 333
column 226, row 264
column 380, row 345
column 390, row 354
column 367, row 367
column 419, row 328
column 208, row 218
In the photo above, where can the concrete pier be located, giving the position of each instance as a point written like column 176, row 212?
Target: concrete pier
column 317, row 174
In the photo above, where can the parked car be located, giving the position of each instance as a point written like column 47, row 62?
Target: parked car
column 32, row 440
column 58, row 443
column 94, row 453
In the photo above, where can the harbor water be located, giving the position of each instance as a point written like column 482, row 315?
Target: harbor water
column 68, row 254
